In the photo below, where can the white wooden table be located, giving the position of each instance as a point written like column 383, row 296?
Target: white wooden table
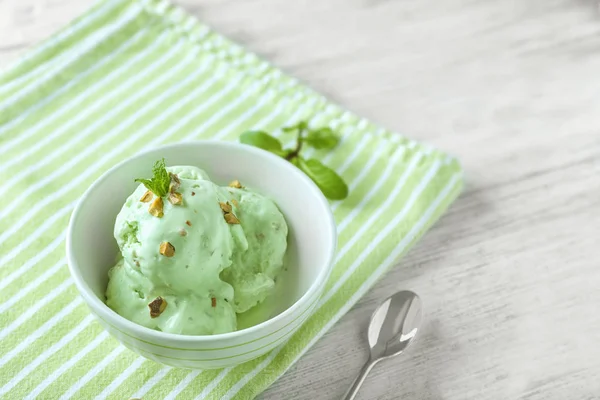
column 510, row 276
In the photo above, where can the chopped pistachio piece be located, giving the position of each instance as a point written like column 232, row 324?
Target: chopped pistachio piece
column 231, row 219
column 175, row 182
column 235, row 203
column 175, row 198
column 182, row 232
column 235, row 184
column 156, row 207
column 226, row 207
column 167, row 249
column 188, row 223
column 147, row 196
column 157, row 306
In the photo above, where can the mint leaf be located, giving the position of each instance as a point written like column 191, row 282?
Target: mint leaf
column 330, row 183
column 159, row 184
column 262, row 140
column 323, row 138
column 300, row 126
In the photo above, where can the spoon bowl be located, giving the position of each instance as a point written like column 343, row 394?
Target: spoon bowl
column 393, row 327
column 394, row 324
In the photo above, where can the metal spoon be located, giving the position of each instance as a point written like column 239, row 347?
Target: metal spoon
column 393, row 326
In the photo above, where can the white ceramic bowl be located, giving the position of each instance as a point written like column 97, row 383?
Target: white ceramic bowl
column 91, row 250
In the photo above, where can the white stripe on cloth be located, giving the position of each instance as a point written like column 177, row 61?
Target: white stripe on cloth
column 55, row 40
column 90, row 43
column 23, row 373
column 137, row 363
column 66, row 366
column 41, row 331
column 213, row 384
column 364, row 172
column 182, row 385
column 34, row 309
column 23, row 292
column 65, row 108
column 150, row 383
column 83, row 115
column 10, row 278
column 93, row 372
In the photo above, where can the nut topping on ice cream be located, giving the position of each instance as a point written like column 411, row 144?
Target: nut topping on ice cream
column 226, row 207
column 231, row 219
column 175, row 198
column 146, row 196
column 167, row 249
column 235, row 184
column 157, row 306
column 156, row 208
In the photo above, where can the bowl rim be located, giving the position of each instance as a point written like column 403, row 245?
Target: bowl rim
column 100, row 307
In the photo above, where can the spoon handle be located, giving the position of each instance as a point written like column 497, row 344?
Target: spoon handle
column 353, row 390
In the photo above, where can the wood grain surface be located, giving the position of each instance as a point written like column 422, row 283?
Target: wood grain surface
column 510, row 277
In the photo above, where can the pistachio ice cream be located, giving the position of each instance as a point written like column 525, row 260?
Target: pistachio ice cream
column 194, row 254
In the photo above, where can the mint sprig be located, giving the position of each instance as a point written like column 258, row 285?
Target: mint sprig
column 263, row 140
column 322, row 139
column 330, row 183
column 159, row 184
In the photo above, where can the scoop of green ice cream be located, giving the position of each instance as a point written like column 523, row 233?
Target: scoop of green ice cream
column 258, row 253
column 204, row 268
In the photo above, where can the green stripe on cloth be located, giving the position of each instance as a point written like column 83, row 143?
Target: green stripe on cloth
column 131, row 75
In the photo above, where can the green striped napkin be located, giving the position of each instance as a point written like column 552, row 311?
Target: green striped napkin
column 129, row 75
